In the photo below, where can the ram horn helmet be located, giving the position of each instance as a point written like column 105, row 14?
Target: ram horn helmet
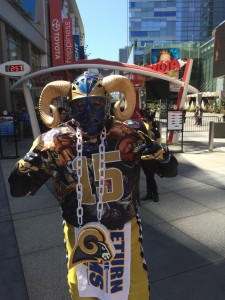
column 87, row 86
column 48, row 112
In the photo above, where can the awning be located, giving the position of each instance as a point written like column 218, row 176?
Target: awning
column 204, row 94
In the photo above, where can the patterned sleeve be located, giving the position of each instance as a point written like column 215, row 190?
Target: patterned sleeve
column 29, row 173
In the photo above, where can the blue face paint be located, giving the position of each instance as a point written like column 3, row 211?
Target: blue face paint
column 91, row 114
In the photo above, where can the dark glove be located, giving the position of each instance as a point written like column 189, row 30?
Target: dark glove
column 33, row 159
column 148, row 143
column 150, row 149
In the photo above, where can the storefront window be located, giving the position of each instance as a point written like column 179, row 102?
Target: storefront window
column 14, row 46
column 35, row 59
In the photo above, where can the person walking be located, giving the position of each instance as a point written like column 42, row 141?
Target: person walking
column 200, row 116
column 196, row 115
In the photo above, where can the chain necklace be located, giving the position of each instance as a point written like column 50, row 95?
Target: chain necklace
column 79, row 186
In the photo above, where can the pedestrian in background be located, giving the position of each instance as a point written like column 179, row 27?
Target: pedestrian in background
column 62, row 114
column 200, row 116
column 149, row 167
column 196, row 113
column 145, row 122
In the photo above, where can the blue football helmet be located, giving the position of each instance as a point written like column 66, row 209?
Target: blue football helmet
column 90, row 105
column 89, row 99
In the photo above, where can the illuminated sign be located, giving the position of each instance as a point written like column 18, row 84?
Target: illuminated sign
column 14, row 68
column 165, row 66
column 166, row 61
column 219, row 51
column 158, row 55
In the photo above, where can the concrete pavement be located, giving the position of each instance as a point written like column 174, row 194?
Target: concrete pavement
column 184, row 240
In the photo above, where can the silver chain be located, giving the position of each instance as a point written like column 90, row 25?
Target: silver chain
column 79, row 186
column 101, row 175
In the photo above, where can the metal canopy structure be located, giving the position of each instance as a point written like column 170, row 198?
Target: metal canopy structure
column 109, row 65
column 148, row 73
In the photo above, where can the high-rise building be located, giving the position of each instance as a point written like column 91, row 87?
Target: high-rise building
column 123, row 54
column 173, row 20
column 183, row 25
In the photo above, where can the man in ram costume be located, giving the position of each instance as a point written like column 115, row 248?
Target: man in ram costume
column 94, row 160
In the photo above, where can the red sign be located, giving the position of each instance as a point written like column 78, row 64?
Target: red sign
column 56, row 32
column 165, row 66
column 68, row 41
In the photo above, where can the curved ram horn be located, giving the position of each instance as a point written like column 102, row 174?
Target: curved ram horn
column 89, row 232
column 52, row 90
column 119, row 83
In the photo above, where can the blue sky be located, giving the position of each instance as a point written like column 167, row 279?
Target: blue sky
column 105, row 26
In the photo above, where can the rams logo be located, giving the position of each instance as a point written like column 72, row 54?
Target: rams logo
column 93, row 244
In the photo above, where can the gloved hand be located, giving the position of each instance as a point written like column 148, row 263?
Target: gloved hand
column 150, row 149
column 32, row 161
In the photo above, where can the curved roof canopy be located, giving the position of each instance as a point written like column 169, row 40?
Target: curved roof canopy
column 147, row 72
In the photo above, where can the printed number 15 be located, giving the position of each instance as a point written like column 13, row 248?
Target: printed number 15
column 112, row 175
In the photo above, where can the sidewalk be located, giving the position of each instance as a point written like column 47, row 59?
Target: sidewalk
column 184, row 239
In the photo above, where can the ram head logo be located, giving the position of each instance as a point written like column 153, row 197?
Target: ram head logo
column 93, row 244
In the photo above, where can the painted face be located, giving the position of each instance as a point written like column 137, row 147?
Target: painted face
column 91, row 114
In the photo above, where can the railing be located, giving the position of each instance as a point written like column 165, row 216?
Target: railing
column 8, row 138
column 190, row 124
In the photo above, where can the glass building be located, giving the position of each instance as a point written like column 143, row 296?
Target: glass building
column 186, row 25
column 153, row 21
column 123, row 54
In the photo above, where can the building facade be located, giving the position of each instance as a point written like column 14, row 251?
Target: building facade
column 26, row 34
column 177, row 24
column 173, row 20
column 123, row 54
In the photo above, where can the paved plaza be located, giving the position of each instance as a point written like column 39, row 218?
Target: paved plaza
column 184, row 240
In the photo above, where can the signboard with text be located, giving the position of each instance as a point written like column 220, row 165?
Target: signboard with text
column 68, row 41
column 14, row 68
column 219, row 51
column 76, row 41
column 175, row 120
column 56, row 32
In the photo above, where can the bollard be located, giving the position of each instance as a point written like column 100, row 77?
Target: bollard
column 211, row 136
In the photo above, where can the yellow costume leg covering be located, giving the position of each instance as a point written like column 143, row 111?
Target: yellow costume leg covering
column 139, row 283
column 74, row 293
